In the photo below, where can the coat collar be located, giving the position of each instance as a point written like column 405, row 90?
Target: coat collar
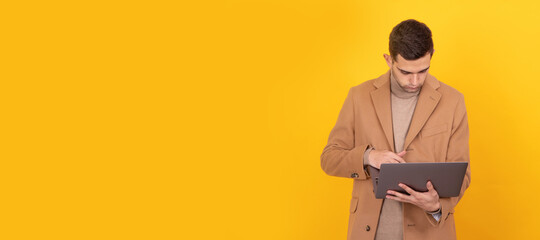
column 427, row 101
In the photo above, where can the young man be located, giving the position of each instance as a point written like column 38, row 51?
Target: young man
column 405, row 115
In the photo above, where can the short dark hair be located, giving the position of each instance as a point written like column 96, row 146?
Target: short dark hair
column 411, row 39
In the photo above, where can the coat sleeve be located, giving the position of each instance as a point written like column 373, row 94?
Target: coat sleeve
column 340, row 157
column 458, row 151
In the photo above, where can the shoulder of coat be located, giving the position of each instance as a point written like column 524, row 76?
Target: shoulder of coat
column 371, row 84
column 448, row 91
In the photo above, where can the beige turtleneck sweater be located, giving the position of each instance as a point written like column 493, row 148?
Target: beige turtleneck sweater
column 403, row 104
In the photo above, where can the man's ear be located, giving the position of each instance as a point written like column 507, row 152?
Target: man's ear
column 388, row 59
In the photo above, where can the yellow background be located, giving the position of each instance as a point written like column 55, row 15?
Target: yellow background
column 206, row 120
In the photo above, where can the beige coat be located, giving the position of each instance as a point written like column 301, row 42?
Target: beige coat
column 439, row 132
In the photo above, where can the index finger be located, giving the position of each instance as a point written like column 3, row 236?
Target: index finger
column 430, row 187
column 398, row 158
column 407, row 189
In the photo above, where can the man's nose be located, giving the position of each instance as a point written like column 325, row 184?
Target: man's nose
column 414, row 79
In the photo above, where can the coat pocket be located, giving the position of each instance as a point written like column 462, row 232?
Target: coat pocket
column 354, row 205
column 434, row 130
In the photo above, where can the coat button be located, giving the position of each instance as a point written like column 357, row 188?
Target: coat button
column 368, row 228
column 354, row 175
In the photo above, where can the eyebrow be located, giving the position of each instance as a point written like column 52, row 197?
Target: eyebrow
column 407, row 72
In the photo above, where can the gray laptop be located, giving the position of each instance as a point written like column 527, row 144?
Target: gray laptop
column 446, row 177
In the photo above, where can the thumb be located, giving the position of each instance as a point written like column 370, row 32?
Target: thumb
column 402, row 153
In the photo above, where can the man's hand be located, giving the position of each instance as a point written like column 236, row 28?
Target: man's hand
column 376, row 158
column 429, row 201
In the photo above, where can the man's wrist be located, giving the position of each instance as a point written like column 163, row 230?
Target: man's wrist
column 366, row 156
column 436, row 211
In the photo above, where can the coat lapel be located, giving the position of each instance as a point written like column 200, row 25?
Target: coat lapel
column 381, row 102
column 427, row 101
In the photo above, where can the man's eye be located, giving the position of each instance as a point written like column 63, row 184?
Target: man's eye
column 405, row 72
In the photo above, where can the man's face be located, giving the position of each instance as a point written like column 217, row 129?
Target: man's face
column 410, row 74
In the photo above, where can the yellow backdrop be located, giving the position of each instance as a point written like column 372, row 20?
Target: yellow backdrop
column 206, row 120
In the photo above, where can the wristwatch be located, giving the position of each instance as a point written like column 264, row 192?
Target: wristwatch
column 435, row 212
